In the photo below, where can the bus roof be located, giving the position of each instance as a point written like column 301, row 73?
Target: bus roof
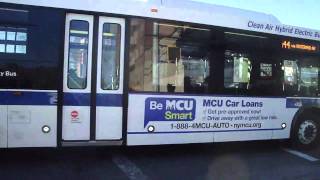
column 184, row 10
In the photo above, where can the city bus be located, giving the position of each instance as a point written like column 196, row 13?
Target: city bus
column 153, row 72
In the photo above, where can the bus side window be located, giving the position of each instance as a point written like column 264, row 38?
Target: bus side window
column 301, row 77
column 237, row 72
column 291, row 74
column 309, row 81
column 110, row 64
column 78, row 54
column 264, row 77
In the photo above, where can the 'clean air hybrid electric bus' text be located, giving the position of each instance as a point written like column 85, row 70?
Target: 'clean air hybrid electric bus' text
column 132, row 72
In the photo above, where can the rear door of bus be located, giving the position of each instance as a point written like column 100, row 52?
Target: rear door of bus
column 93, row 79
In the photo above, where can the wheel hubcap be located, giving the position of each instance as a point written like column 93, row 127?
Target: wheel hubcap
column 307, row 132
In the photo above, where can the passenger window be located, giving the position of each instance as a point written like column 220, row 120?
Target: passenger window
column 309, row 81
column 183, row 64
column 170, row 58
column 30, row 47
column 291, row 75
column 301, row 77
column 237, row 72
column 78, row 54
column 110, row 58
column 290, row 69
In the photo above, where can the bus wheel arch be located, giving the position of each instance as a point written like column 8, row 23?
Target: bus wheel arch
column 305, row 128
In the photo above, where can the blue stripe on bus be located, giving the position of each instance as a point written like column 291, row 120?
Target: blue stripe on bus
column 186, row 132
column 300, row 102
column 28, row 98
column 113, row 100
column 76, row 99
column 83, row 99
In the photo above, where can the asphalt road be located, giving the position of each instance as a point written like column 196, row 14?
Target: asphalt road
column 248, row 160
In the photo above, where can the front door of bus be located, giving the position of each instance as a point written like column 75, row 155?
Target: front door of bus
column 93, row 78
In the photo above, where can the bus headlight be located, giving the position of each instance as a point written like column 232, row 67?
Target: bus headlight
column 46, row 129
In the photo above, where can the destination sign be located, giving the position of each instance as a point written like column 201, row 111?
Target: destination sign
column 300, row 46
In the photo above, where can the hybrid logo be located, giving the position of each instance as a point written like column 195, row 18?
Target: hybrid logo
column 169, row 109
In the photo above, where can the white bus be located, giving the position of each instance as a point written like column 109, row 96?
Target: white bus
column 153, row 72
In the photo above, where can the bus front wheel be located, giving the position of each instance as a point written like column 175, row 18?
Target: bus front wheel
column 306, row 133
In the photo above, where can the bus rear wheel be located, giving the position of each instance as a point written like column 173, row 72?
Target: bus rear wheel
column 306, row 133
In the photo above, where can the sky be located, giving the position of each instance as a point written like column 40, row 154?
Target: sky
column 302, row 13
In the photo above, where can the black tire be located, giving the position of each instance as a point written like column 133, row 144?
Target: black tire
column 306, row 132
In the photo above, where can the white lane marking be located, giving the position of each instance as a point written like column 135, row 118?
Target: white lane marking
column 301, row 155
column 132, row 171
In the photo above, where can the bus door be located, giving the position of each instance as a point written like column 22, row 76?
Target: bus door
column 93, row 79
